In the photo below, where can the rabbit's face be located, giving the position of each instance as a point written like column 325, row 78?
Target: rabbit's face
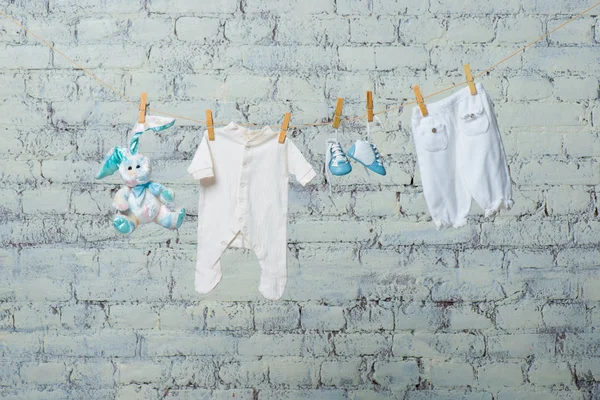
column 135, row 170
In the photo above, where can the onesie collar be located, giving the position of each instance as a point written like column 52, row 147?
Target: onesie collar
column 247, row 136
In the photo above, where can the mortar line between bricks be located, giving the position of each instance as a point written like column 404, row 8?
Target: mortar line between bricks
column 346, row 119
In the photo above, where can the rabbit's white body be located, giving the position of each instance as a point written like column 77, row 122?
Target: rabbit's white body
column 145, row 208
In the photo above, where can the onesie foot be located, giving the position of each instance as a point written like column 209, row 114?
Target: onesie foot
column 123, row 224
column 271, row 286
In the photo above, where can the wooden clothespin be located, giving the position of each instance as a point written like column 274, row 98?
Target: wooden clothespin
column 469, row 76
column 337, row 118
column 420, row 101
column 369, row 106
column 143, row 104
column 284, row 127
column 209, row 125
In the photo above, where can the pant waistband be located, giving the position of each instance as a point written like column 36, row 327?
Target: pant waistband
column 448, row 102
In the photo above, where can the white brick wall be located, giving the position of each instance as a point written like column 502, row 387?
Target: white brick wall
column 379, row 305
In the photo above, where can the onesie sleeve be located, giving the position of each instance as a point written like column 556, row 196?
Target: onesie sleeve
column 297, row 164
column 202, row 165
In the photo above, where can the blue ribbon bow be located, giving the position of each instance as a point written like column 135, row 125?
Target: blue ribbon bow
column 155, row 189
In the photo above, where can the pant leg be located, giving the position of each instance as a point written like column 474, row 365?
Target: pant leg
column 448, row 200
column 482, row 161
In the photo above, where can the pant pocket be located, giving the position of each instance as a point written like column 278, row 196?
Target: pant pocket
column 473, row 119
column 432, row 135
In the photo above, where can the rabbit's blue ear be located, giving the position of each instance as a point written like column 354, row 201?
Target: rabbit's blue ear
column 153, row 123
column 111, row 163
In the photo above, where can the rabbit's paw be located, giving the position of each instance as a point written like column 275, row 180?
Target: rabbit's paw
column 167, row 196
column 180, row 217
column 123, row 224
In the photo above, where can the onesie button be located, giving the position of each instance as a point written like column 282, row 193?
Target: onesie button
column 223, row 243
column 243, row 185
column 256, row 248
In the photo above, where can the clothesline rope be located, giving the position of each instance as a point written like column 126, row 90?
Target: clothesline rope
column 202, row 122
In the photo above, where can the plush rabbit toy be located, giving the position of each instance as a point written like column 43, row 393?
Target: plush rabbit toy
column 140, row 200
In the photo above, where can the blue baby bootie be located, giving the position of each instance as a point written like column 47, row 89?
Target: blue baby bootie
column 336, row 159
column 367, row 154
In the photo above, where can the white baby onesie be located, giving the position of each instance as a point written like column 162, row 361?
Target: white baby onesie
column 244, row 178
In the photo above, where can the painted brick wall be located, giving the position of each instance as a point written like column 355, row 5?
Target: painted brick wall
column 379, row 304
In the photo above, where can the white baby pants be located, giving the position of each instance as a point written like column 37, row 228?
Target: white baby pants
column 460, row 156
